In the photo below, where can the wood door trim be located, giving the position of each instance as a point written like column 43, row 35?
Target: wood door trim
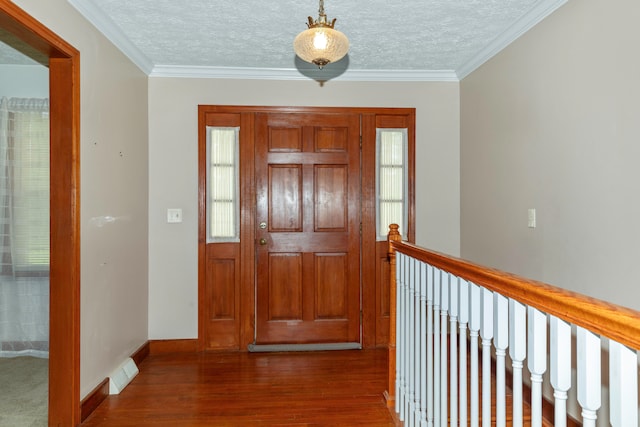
column 64, row 315
column 368, row 207
column 293, row 109
column 247, row 232
column 202, row 226
column 248, row 211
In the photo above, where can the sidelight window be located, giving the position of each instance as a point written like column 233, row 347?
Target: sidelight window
column 223, row 179
column 391, row 180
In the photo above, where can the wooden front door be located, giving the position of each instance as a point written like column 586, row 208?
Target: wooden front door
column 308, row 174
column 307, row 168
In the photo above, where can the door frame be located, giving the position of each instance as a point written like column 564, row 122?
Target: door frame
column 64, row 281
column 244, row 320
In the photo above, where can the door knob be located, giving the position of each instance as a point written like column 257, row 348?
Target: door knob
column 263, row 241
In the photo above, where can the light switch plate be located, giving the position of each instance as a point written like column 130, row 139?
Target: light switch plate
column 174, row 216
column 532, row 218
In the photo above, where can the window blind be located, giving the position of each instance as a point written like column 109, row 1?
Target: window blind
column 391, row 180
column 24, row 199
column 222, row 184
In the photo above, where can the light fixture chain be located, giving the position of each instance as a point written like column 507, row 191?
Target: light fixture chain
column 321, row 10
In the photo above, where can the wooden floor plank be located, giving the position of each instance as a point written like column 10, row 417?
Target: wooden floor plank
column 336, row 388
column 332, row 388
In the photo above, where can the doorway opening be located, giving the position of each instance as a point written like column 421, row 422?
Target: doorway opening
column 63, row 62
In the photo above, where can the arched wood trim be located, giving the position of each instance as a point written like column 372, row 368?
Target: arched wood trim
column 64, row 94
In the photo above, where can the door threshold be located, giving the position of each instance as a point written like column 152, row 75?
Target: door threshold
column 265, row 348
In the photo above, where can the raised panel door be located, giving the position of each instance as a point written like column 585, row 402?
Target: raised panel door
column 307, row 239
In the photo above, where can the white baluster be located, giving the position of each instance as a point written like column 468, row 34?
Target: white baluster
column 398, row 386
column 453, row 352
column 419, row 339
column 444, row 308
column 437, row 304
column 486, row 333
column 537, row 361
column 463, row 317
column 560, row 366
column 623, row 385
column 474, row 331
column 429, row 384
column 410, row 337
column 517, row 351
column 411, row 340
column 400, row 336
column 421, row 399
column 589, row 385
column 501, row 342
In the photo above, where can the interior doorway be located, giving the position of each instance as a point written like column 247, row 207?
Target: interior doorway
column 63, row 61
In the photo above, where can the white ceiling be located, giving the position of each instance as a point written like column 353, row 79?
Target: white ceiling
column 390, row 39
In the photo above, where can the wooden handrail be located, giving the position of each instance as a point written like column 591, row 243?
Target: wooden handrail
column 619, row 323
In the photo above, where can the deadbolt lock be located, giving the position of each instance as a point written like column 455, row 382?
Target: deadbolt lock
column 263, row 225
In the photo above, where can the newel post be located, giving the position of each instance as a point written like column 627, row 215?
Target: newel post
column 394, row 235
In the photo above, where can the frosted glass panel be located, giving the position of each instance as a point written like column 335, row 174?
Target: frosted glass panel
column 391, row 180
column 222, row 184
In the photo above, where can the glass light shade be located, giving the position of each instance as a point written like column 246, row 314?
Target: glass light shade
column 321, row 45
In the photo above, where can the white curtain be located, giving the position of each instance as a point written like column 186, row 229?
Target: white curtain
column 24, row 227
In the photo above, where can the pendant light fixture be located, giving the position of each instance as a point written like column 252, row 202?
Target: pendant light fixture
column 320, row 44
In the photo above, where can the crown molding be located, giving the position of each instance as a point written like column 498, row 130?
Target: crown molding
column 539, row 12
column 111, row 31
column 250, row 73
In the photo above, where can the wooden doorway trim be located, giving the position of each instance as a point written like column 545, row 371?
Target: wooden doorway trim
column 237, row 330
column 64, row 300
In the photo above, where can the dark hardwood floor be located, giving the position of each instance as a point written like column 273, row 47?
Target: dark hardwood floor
column 333, row 388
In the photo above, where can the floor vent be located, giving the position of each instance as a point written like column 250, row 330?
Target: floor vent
column 122, row 376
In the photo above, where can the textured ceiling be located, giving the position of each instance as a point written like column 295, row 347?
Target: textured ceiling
column 413, row 35
column 445, row 38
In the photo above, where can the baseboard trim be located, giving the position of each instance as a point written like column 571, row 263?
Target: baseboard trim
column 141, row 353
column 94, row 399
column 173, row 346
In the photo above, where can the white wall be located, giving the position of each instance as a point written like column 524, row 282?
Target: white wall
column 173, row 132
column 114, row 194
column 553, row 123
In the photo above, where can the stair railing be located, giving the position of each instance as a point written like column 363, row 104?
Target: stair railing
column 445, row 311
